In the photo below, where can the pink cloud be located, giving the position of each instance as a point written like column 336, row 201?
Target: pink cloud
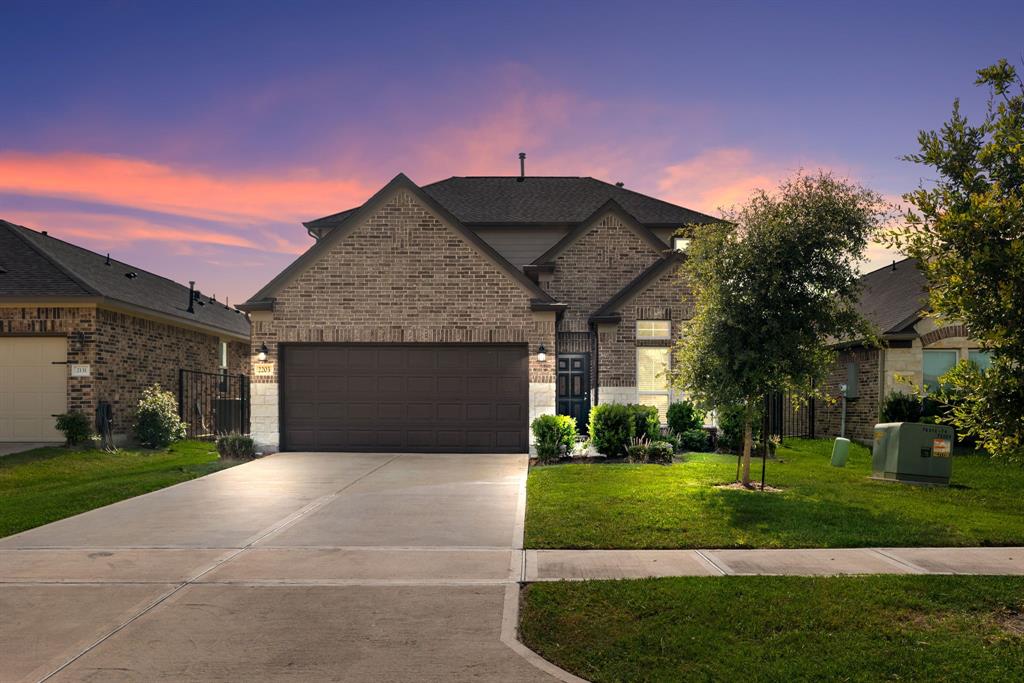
column 291, row 194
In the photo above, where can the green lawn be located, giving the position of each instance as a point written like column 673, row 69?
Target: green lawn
column 869, row 628
column 47, row 484
column 678, row 506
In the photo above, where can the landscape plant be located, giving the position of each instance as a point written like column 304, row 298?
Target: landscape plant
column 645, row 420
column 236, row 446
column 660, row 452
column 683, row 416
column 157, row 424
column 775, row 284
column 695, row 440
column 75, row 426
column 611, row 427
column 554, row 436
column 966, row 229
column 636, row 451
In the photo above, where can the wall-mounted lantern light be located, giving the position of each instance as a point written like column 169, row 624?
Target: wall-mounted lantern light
column 542, row 354
column 262, row 355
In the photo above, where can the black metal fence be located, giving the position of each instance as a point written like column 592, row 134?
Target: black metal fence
column 785, row 417
column 213, row 403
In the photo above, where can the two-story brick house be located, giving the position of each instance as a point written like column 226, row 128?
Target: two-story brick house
column 446, row 317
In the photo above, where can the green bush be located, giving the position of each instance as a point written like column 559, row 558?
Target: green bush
column 900, row 407
column 683, row 416
column 236, row 446
column 660, row 452
column 645, row 421
column 554, row 436
column 75, row 426
column 695, row 441
column 636, row 451
column 730, row 428
column 157, row 424
column 611, row 427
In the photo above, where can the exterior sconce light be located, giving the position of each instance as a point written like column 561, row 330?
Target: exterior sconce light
column 542, row 354
column 262, row 355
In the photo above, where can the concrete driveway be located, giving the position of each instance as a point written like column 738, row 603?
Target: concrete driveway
column 299, row 566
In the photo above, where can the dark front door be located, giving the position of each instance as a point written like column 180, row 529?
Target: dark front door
column 574, row 387
column 410, row 397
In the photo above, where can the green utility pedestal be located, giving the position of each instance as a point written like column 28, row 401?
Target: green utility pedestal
column 840, row 449
column 913, row 452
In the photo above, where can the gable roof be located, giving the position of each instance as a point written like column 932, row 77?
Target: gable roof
column 44, row 266
column 538, row 200
column 610, row 206
column 263, row 299
column 610, row 311
column 894, row 297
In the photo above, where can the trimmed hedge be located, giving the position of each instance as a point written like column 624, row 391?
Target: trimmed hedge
column 611, row 427
column 683, row 416
column 660, row 453
column 553, row 435
column 645, row 421
column 695, row 440
column 75, row 426
column 236, row 446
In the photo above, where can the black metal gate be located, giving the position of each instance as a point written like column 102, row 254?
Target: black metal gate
column 785, row 417
column 213, row 403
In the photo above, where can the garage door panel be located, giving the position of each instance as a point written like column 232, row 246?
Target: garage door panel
column 405, row 397
column 33, row 387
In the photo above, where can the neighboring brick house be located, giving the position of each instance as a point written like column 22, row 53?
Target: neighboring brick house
column 446, row 317
column 78, row 328
column 916, row 350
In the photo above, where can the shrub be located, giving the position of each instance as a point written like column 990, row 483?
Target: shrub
column 730, row 428
column 75, row 426
column 695, row 440
column 645, row 421
column 554, row 435
column 611, row 428
column 236, row 446
column 683, row 416
column 156, row 421
column 636, row 451
column 900, row 407
column 660, row 452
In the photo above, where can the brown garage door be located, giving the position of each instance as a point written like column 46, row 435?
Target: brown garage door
column 420, row 398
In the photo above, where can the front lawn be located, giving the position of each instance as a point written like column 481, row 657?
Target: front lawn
column 47, row 484
column 678, row 506
column 770, row 628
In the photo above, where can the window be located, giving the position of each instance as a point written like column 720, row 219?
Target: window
column 936, row 363
column 982, row 359
column 223, row 354
column 680, row 243
column 652, row 363
column 653, row 329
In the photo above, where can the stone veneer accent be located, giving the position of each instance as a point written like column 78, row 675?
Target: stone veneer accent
column 127, row 353
column 403, row 276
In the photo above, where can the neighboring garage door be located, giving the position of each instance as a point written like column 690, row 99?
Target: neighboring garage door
column 419, row 398
column 33, row 387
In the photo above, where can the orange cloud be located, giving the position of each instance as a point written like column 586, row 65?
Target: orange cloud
column 288, row 195
column 107, row 230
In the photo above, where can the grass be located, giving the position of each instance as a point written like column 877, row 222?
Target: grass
column 47, row 484
column 678, row 506
column 868, row 628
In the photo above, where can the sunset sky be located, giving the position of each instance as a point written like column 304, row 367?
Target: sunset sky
column 191, row 139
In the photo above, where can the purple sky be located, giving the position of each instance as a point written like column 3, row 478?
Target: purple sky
column 192, row 139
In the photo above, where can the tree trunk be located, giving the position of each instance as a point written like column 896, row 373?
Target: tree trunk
column 748, row 439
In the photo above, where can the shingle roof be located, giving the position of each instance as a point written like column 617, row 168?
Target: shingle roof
column 893, row 296
column 503, row 200
column 46, row 266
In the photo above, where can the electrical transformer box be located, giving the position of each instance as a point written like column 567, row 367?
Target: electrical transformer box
column 913, row 452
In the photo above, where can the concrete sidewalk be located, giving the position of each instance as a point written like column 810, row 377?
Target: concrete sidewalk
column 555, row 565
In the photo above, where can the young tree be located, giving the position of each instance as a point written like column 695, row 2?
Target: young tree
column 967, row 231
column 773, row 284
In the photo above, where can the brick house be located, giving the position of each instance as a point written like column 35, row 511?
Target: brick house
column 916, row 350
column 446, row 317
column 78, row 328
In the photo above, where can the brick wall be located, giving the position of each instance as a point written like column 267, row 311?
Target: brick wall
column 862, row 412
column 669, row 298
column 400, row 276
column 595, row 267
column 134, row 353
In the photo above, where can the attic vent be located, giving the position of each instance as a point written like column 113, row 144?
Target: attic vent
column 620, row 184
column 522, row 167
column 131, row 275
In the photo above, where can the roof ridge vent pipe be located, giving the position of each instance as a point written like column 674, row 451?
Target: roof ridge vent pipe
column 522, row 167
column 108, row 259
column 191, row 295
column 894, row 264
